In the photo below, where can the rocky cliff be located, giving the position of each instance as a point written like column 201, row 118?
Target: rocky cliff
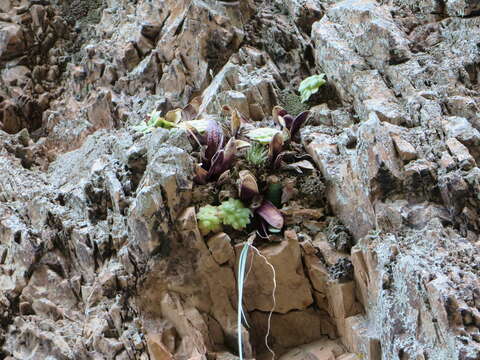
column 100, row 253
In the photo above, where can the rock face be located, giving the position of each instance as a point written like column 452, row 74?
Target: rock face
column 100, row 253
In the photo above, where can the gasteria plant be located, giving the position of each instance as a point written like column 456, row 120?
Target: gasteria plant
column 288, row 122
column 266, row 216
column 216, row 158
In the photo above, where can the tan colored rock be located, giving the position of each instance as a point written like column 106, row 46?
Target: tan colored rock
column 357, row 339
column 128, row 56
column 342, row 302
column 16, row 76
column 285, row 257
column 318, row 275
column 329, row 254
column 348, row 357
column 294, row 329
column 361, row 275
column 221, row 248
column 156, row 349
column 406, row 150
column 447, row 162
column 323, row 349
column 12, row 41
column 461, row 153
column 100, row 111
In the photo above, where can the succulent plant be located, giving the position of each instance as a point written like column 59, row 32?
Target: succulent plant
column 155, row 121
column 287, row 121
column 310, row 86
column 235, row 214
column 263, row 135
column 256, row 155
column 209, row 219
column 271, row 219
column 216, row 158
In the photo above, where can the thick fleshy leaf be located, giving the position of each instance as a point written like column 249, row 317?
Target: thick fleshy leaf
column 248, row 187
column 288, row 121
column 275, row 147
column 278, row 113
column 199, row 125
column 214, row 139
column 235, row 122
column 242, row 144
column 270, row 214
column 230, row 154
column 224, row 177
column 298, row 122
column 310, row 86
column 174, row 116
column 262, row 229
column 153, row 117
column 200, row 175
column 263, row 135
column 300, row 166
column 190, row 111
column 216, row 166
column 278, row 162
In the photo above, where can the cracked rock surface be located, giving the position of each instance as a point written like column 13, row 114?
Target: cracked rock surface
column 100, row 253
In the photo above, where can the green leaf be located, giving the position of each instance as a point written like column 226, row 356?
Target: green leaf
column 263, row 135
column 310, row 86
column 199, row 125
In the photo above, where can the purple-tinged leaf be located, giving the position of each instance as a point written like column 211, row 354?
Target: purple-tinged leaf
column 278, row 162
column 248, row 187
column 288, row 120
column 214, row 140
column 216, row 167
column 298, row 122
column 230, row 152
column 200, row 175
column 270, row 214
column 262, row 228
column 222, row 160
column 277, row 113
column 224, row 177
column 275, row 147
column 235, row 122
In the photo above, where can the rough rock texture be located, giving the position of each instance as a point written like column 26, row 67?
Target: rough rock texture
column 100, row 254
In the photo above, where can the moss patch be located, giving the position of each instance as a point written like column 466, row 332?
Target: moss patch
column 291, row 102
column 82, row 11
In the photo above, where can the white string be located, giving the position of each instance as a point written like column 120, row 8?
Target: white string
column 274, row 300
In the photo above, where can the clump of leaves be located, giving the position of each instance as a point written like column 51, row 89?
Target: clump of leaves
column 154, row 121
column 235, row 214
column 266, row 217
column 256, row 155
column 209, row 219
column 310, row 86
column 231, row 212
column 216, row 158
column 289, row 124
column 262, row 135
